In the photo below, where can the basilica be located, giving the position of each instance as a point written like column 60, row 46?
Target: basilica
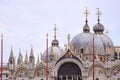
column 87, row 56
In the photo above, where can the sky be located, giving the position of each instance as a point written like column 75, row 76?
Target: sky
column 24, row 23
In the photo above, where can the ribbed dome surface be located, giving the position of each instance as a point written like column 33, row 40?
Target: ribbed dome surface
column 53, row 53
column 86, row 28
column 98, row 28
column 84, row 42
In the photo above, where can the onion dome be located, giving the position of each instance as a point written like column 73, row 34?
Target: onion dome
column 98, row 28
column 83, row 42
column 55, row 43
column 86, row 26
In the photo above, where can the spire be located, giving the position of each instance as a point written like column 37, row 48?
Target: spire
column 68, row 41
column 11, row 53
column 31, row 52
column 31, row 57
column 86, row 27
column 26, row 58
column 38, row 60
column 11, row 58
column 20, row 58
column 98, row 14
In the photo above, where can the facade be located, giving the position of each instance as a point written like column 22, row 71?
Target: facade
column 87, row 54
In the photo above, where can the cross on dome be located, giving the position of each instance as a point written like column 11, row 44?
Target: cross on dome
column 98, row 14
column 86, row 13
column 55, row 30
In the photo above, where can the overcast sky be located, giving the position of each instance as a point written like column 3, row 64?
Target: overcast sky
column 26, row 22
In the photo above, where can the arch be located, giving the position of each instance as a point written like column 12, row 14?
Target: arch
column 115, row 70
column 63, row 64
column 21, row 72
column 69, row 70
column 115, row 55
column 39, row 71
column 100, row 68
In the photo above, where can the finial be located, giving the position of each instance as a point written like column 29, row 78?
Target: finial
column 47, row 35
column 31, row 46
column 98, row 14
column 68, row 41
column 107, row 31
column 26, row 51
column 11, row 48
column 86, row 14
column 1, row 36
column 19, row 50
column 55, row 29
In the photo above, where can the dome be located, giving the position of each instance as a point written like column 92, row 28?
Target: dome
column 98, row 28
column 55, row 42
column 83, row 43
column 86, row 28
column 54, row 53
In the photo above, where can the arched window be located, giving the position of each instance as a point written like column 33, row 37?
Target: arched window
column 97, row 78
column 119, row 55
column 115, row 55
column 11, row 62
column 82, row 50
